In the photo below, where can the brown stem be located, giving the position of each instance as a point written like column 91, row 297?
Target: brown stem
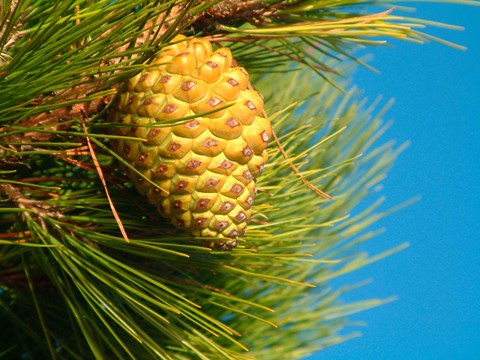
column 23, row 202
column 231, row 12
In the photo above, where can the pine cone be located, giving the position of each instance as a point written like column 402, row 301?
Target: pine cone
column 204, row 166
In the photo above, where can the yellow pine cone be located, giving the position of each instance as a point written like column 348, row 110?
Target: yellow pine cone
column 205, row 166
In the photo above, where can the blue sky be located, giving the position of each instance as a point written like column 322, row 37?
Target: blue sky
column 437, row 279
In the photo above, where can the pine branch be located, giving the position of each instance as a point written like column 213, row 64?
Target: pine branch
column 85, row 245
column 72, row 288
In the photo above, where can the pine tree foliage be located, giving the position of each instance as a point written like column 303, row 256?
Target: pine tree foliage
column 89, row 270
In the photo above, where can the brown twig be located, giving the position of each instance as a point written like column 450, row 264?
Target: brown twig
column 23, row 202
column 14, row 35
column 231, row 12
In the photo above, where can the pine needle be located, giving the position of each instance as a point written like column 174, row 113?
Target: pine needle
column 297, row 172
column 104, row 183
